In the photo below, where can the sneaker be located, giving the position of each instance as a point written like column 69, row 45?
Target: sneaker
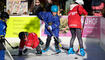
column 39, row 53
column 45, row 50
column 58, row 51
column 71, row 51
column 82, row 52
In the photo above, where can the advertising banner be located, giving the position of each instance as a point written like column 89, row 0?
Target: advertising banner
column 102, row 28
column 17, row 6
column 17, row 24
column 91, row 27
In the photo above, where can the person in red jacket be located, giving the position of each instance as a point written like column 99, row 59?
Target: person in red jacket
column 74, row 23
column 28, row 41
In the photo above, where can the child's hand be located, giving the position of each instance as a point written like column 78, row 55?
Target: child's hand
column 49, row 27
column 2, row 38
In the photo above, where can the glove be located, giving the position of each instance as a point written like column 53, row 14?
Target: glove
column 49, row 27
column 2, row 38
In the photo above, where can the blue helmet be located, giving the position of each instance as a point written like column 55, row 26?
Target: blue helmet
column 54, row 8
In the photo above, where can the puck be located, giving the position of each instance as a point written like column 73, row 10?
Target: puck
column 76, row 58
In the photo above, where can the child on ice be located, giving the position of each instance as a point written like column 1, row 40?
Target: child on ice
column 29, row 41
column 3, row 26
column 52, row 22
column 74, row 23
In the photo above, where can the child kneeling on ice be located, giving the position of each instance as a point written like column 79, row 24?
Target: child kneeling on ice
column 29, row 41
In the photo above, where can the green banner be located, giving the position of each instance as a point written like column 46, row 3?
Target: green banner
column 17, row 24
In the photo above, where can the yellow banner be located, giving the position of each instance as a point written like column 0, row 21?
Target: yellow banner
column 17, row 24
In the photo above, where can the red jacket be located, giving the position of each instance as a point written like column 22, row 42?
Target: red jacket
column 32, row 41
column 74, row 16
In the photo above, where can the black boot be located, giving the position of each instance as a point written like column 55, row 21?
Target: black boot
column 57, row 49
column 39, row 51
column 20, row 53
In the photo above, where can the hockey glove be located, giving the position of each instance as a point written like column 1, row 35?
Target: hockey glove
column 49, row 27
column 2, row 38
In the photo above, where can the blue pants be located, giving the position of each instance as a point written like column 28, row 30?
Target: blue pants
column 2, row 54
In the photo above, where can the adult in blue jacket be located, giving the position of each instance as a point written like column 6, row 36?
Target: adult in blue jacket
column 52, row 22
column 3, row 27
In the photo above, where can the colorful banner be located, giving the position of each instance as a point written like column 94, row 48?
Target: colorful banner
column 17, row 24
column 102, row 28
column 91, row 29
column 17, row 6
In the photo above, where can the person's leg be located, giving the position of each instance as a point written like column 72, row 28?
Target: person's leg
column 21, row 46
column 38, row 49
column 47, row 44
column 56, row 45
column 79, row 36
column 73, row 33
column 2, row 54
column 48, row 41
column 20, row 52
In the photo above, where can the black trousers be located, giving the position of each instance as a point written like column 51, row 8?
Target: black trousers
column 2, row 41
column 76, row 32
column 38, row 49
column 49, row 40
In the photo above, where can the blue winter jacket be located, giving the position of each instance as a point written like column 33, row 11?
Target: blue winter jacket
column 3, row 27
column 47, row 17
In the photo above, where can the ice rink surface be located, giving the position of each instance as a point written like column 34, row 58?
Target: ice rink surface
column 92, row 46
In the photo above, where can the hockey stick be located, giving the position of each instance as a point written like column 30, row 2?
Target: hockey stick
column 60, row 45
column 57, row 39
column 41, row 42
column 82, row 33
column 12, row 46
column 8, row 52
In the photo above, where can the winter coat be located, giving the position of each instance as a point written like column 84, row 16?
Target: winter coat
column 37, row 9
column 74, row 16
column 97, row 2
column 32, row 41
column 48, row 7
column 3, row 27
column 47, row 17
